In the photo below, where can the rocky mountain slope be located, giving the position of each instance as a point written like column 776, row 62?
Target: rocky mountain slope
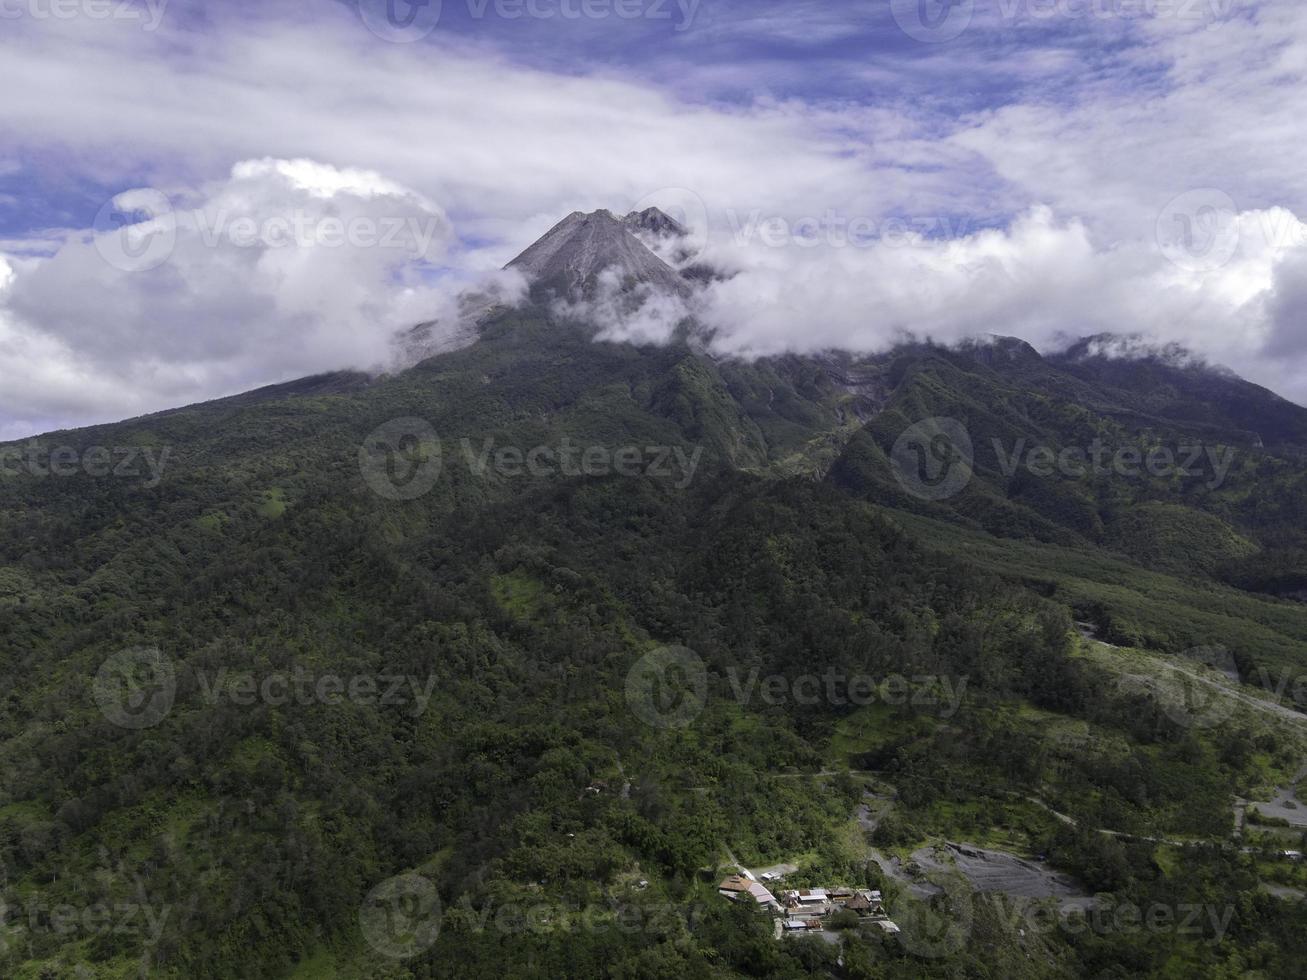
column 512, row 529
column 572, row 257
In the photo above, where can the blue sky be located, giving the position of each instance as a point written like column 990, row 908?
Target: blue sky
column 721, row 53
column 1015, row 166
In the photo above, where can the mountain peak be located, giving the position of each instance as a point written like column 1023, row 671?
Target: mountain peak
column 656, row 222
column 570, row 258
column 996, row 350
column 1135, row 347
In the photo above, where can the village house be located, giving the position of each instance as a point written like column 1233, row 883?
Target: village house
column 794, row 926
column 737, row 886
column 865, row 903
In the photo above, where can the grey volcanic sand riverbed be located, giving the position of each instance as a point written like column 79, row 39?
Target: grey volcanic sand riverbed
column 999, row 871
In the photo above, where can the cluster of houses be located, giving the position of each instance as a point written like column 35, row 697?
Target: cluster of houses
column 807, row 909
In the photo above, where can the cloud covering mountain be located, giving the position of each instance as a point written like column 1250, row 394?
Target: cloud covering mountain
column 1050, row 200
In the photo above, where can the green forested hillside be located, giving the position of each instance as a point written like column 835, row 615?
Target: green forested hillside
column 565, row 825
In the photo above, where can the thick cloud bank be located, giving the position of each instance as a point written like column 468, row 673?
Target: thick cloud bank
column 1234, row 291
column 287, row 268
column 314, row 190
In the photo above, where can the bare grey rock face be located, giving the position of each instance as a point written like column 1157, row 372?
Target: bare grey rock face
column 569, row 261
column 441, row 336
column 666, row 237
column 652, row 221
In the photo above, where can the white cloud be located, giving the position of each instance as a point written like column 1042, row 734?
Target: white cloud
column 1189, row 105
column 642, row 315
column 1043, row 279
column 287, row 268
column 1075, row 170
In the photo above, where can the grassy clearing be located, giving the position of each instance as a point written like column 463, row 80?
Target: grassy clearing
column 1148, row 608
